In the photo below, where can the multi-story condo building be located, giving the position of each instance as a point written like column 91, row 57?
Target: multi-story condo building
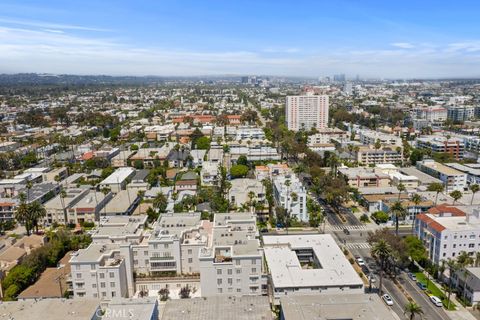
column 306, row 112
column 369, row 156
column 447, row 233
column 87, row 209
column 453, row 146
column 472, row 143
column 233, row 263
column 472, row 170
column 249, row 133
column 102, row 271
column 432, row 114
column 370, row 137
column 461, row 113
column 57, row 206
column 291, row 195
column 118, row 179
column 306, row 264
column 364, row 177
column 451, row 178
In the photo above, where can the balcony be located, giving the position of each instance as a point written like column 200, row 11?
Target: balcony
column 162, row 258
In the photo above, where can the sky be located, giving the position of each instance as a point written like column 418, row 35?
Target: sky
column 381, row 39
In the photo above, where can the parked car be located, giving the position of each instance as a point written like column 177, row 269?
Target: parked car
column 388, row 301
column 371, row 278
column 360, row 261
column 346, row 231
column 412, row 276
column 422, row 286
column 436, row 301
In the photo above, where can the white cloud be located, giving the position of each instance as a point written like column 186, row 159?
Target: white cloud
column 403, row 45
column 47, row 25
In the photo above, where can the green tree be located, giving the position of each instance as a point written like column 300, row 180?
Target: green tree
column 36, row 212
column 412, row 309
column 399, row 212
column 22, row 214
column 416, row 155
column 238, row 171
column 415, row 248
column 378, row 144
column 456, row 195
column 380, row 216
column 160, row 202
column 435, row 187
column 381, row 252
column 203, row 143
column 242, row 160
column 474, row 188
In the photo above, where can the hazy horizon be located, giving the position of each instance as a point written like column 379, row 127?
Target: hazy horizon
column 408, row 40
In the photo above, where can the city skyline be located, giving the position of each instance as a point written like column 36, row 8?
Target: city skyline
column 306, row 39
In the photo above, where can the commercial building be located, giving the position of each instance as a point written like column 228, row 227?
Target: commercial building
column 453, row 146
column 290, row 194
column 447, row 231
column 451, row 178
column 335, row 306
column 233, row 263
column 306, row 112
column 301, row 265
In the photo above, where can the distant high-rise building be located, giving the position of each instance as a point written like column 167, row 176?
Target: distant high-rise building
column 244, row 80
column 347, row 88
column 339, row 77
column 306, row 112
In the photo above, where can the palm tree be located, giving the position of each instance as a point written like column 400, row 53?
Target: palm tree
column 37, row 212
column 412, row 309
column 452, row 268
column 63, row 195
column 399, row 211
column 477, row 259
column 456, row 195
column 382, row 252
column 29, row 186
column 401, row 188
column 333, row 163
column 416, row 199
column 251, row 196
column 22, row 213
column 435, row 187
column 105, row 191
column 160, row 202
column 474, row 188
column 287, row 206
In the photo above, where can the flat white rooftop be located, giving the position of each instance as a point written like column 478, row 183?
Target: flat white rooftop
column 333, row 269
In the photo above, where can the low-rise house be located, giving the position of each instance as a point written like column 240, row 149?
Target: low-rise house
column 179, row 158
column 121, row 159
column 209, row 174
column 197, row 157
column 188, row 181
column 242, row 189
column 123, row 203
column 14, row 254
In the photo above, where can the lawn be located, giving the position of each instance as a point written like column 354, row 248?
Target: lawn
column 432, row 289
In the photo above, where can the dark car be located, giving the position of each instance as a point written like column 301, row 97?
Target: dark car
column 422, row 286
column 346, row 231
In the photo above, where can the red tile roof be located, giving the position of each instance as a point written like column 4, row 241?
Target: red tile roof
column 432, row 224
column 445, row 208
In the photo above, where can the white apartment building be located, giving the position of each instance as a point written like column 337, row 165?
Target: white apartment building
column 291, row 195
column 55, row 207
column 445, row 235
column 432, row 114
column 453, row 146
column 249, row 133
column 368, row 156
column 118, row 179
column 209, row 175
column 306, row 112
column 451, row 178
column 370, row 137
column 233, row 263
column 328, row 271
column 102, row 271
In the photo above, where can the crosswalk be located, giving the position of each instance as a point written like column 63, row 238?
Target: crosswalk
column 357, row 245
column 348, row 227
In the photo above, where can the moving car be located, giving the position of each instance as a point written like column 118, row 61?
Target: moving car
column 388, row 301
column 360, row 261
column 436, row 301
column 346, row 231
column 422, row 286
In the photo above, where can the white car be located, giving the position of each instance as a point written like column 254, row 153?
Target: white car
column 387, row 299
column 360, row 261
column 436, row 301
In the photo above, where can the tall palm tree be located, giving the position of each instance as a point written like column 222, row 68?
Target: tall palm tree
column 251, row 196
column 63, row 195
column 474, row 188
column 287, row 205
column 456, row 195
column 399, row 211
column 416, row 199
column 382, row 252
column 435, row 187
column 160, row 202
column 412, row 309
column 477, row 259
column 452, row 267
column 401, row 188
column 22, row 213
column 37, row 212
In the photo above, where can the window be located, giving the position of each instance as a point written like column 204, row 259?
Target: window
column 104, row 294
column 230, row 281
column 102, row 284
column 155, row 246
column 165, row 245
column 95, row 295
column 189, row 251
column 254, row 270
column 146, row 261
column 219, row 281
column 454, row 245
column 102, row 275
column 239, row 271
column 135, row 262
column 254, row 261
column 229, row 271
column 94, row 285
column 113, row 294
column 219, row 271
column 145, row 253
column 92, row 267
column 79, row 275
column 237, row 262
column 112, row 284
column 239, row 290
column 219, row 290
column 112, row 274
column 190, row 260
column 471, row 245
column 135, row 253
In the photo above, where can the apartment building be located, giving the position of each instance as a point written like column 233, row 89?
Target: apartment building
column 290, row 194
column 453, row 146
column 328, row 271
column 461, row 113
column 370, row 137
column 102, row 271
column 239, row 193
column 233, row 263
column 118, row 179
column 249, row 133
column 472, row 170
column 87, row 208
column 209, row 173
column 368, row 156
column 448, row 232
column 451, row 178
column 56, row 206
column 364, row 177
column 432, row 114
column 306, row 112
